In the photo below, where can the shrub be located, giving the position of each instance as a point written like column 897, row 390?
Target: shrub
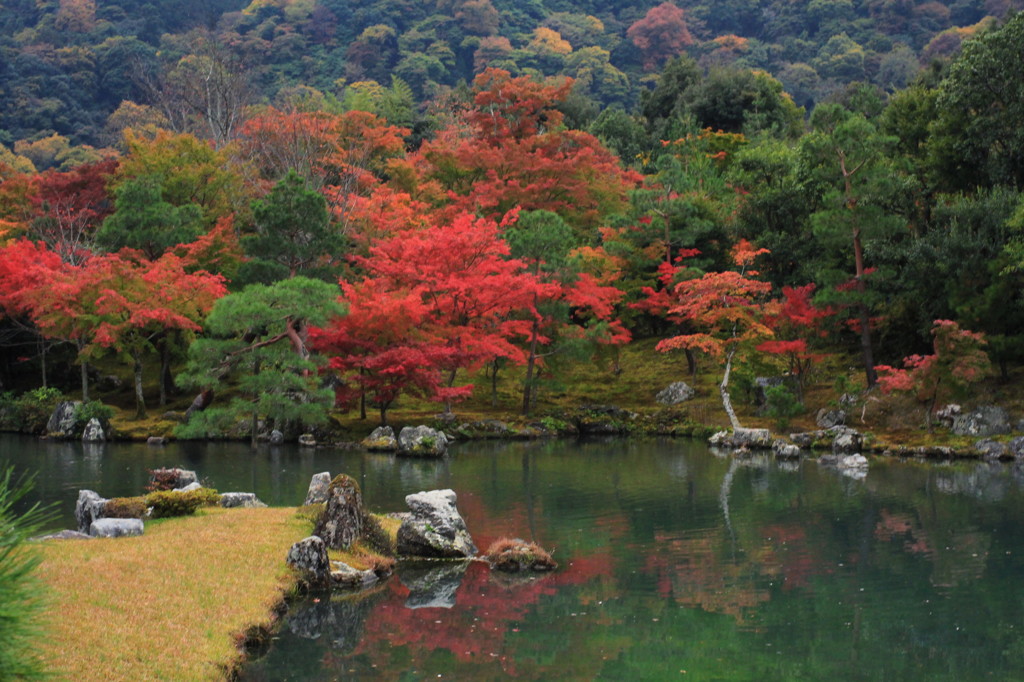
column 30, row 411
column 168, row 503
column 782, row 405
column 377, row 536
column 311, row 512
column 19, row 593
column 513, row 556
column 93, row 409
column 125, row 508
column 162, row 479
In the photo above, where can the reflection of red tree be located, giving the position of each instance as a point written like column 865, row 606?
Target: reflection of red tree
column 474, row 630
column 796, row 561
column 902, row 525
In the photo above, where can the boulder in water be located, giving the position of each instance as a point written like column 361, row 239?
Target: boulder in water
column 435, row 529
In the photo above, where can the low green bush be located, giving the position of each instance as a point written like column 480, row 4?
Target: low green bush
column 782, row 405
column 125, row 508
column 168, row 503
column 30, row 411
column 90, row 410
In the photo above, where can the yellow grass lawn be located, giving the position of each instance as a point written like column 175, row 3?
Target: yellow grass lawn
column 171, row 604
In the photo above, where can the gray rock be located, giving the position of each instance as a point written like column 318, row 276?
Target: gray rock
column 93, row 432
column 675, row 393
column 156, row 440
column 62, row 422
column 857, row 461
column 433, row 585
column 436, row 529
column 422, row 441
column 109, row 382
column 989, row 420
column 115, row 528
column 807, row 438
column 344, row 575
column 827, row 418
column 344, row 517
column 88, row 508
column 382, row 439
column 757, row 439
column 309, row 556
column 232, row 500
column 948, row 414
column 1017, row 447
column 276, row 437
column 784, row 450
column 307, row 440
column 194, row 485
column 318, row 486
column 847, row 441
column 63, row 535
column 992, row 449
column 181, row 477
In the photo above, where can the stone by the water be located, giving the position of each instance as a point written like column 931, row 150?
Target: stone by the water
column 309, row 556
column 307, row 440
column 381, row 439
column 177, row 477
column 344, row 517
column 988, row 420
column 232, row 500
column 318, row 487
column 515, row 556
column 62, row 422
column 194, row 485
column 93, row 432
column 345, row 576
column 276, row 437
column 422, row 441
column 88, row 508
column 435, row 529
column 156, row 440
column 827, row 418
column 116, row 528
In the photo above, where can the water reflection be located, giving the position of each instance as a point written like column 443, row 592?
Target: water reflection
column 671, row 559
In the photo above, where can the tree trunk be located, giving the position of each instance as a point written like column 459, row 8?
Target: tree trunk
column 254, row 424
column 362, row 396
column 85, row 372
column 165, row 370
column 858, row 258
column 140, row 400
column 383, row 414
column 724, row 390
column 42, row 357
column 691, row 362
column 494, row 381
column 530, row 364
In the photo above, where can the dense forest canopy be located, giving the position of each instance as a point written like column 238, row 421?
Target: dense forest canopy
column 857, row 164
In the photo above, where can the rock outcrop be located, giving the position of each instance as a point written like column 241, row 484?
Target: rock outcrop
column 240, row 500
column 826, row 418
column 989, row 420
column 93, row 432
column 318, row 487
column 62, row 422
column 752, row 439
column 309, row 557
column 115, row 528
column 435, row 529
column 344, row 517
column 675, row 393
column 422, row 441
column 381, row 439
column 88, row 508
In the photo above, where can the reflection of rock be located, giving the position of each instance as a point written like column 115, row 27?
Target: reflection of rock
column 789, row 465
column 432, row 585
column 436, row 529
column 338, row 619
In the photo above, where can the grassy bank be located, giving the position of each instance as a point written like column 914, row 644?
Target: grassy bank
column 173, row 604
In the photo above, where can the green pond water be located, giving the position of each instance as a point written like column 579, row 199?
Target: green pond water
column 675, row 563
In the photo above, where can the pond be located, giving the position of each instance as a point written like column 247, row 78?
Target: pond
column 675, row 563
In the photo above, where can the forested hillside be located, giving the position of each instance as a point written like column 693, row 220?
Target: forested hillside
column 305, row 200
